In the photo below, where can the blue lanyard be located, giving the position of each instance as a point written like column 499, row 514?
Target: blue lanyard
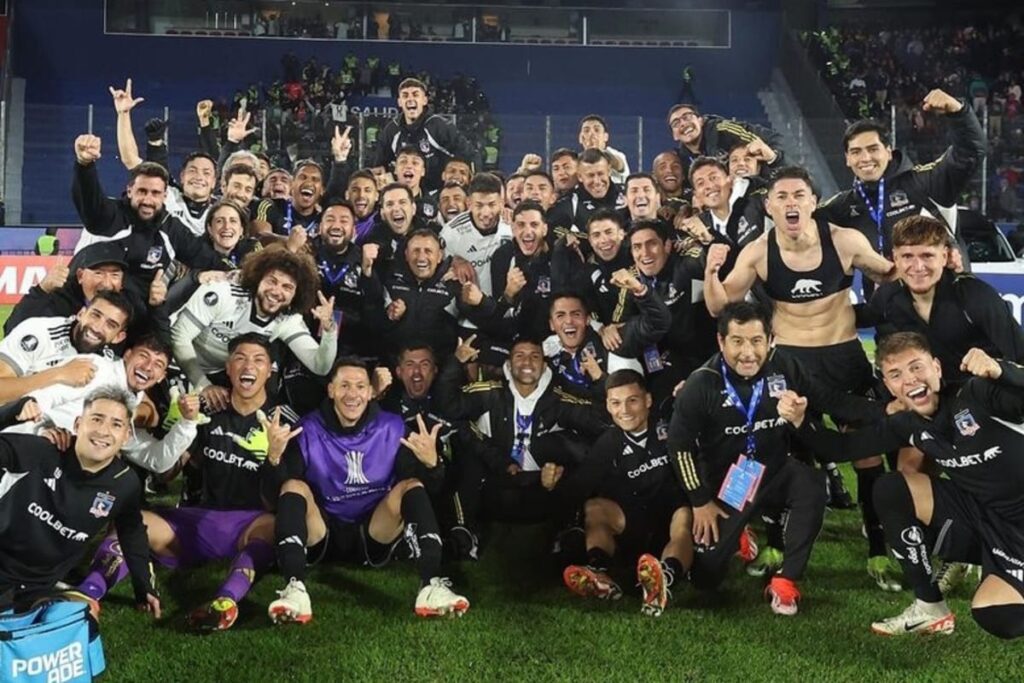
column 877, row 212
column 523, row 424
column 747, row 411
column 333, row 276
column 311, row 229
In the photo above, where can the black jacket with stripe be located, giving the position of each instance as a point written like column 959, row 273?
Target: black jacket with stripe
column 437, row 139
column 719, row 135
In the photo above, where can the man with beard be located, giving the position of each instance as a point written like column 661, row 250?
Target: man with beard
column 238, row 182
column 437, row 139
column 594, row 134
column 410, row 167
column 189, row 201
column 57, row 499
column 451, row 201
column 528, row 421
column 397, row 219
column 31, row 354
column 973, row 513
column 806, row 265
column 590, row 274
column 422, row 295
column 362, row 194
column 711, row 136
column 595, row 190
column 539, row 187
column 457, row 171
column 888, row 187
column 151, row 237
column 563, row 170
column 275, row 290
column 228, row 521
column 302, row 208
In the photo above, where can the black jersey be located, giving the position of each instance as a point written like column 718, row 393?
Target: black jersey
column 50, row 508
column 358, row 298
column 976, row 437
column 283, row 216
column 231, row 451
column 796, row 287
column 708, row 432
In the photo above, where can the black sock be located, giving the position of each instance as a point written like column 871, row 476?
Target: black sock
column 906, row 534
column 774, row 527
column 866, row 479
column 672, row 568
column 290, row 536
column 598, row 559
column 422, row 533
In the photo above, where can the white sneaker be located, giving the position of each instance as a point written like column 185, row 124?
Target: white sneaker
column 437, row 599
column 293, row 605
column 921, row 618
column 951, row 575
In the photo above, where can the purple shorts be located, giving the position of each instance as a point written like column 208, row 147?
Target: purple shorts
column 204, row 535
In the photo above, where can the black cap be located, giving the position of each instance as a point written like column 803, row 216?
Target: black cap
column 102, row 253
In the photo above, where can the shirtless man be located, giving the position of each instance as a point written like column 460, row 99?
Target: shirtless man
column 806, row 266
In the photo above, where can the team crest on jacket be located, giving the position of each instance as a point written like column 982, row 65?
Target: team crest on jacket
column 965, row 423
column 776, row 385
column 154, row 254
column 29, row 343
column 424, row 146
column 102, row 504
column 898, row 198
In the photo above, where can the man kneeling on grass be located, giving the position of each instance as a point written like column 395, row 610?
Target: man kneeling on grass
column 355, row 490
column 633, row 501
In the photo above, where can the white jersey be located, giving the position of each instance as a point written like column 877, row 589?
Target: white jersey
column 37, row 344
column 618, row 177
column 176, row 206
column 220, row 311
column 461, row 238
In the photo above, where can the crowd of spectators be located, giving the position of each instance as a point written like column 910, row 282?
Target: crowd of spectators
column 873, row 70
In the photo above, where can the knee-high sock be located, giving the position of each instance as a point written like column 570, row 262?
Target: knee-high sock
column 422, row 533
column 906, row 534
column 866, row 479
column 108, row 568
column 250, row 562
column 290, row 536
column 774, row 526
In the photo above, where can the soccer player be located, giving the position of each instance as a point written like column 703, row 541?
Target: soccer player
column 301, row 208
column 731, row 451
column 595, row 190
column 56, row 500
column 229, row 518
column 356, row 489
column 476, row 235
column 594, row 134
column 974, row 513
column 633, row 502
column 275, row 290
column 410, row 167
column 806, row 267
column 710, row 135
column 362, row 194
column 564, row 163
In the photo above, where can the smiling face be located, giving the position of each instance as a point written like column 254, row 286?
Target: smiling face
column 914, row 377
column 485, row 208
column 529, row 231
column 248, row 368
column 146, row 196
column 668, row 172
column 362, row 194
column 413, row 102
column 595, row 178
column 277, row 185
column 712, row 186
column 457, row 171
column 745, row 347
column 867, row 156
column 307, row 188
column 686, row 126
column 569, row 321
column 225, row 228
column 198, row 179
column 526, row 364
column 102, row 431
column 515, row 189
column 409, row 170
column 452, row 201
column 337, row 227
column 919, row 266
column 416, row 371
column 240, row 187
column 423, row 255
column 144, row 367
column 650, row 252
column 605, row 238
column 539, row 189
column 790, row 204
column 105, row 277
column 275, row 293
column 98, row 324
column 563, row 172
column 629, row 406
column 397, row 210
column 351, row 392
column 743, row 164
column 642, row 199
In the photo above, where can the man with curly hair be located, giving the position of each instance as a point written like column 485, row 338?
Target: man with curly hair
column 275, row 289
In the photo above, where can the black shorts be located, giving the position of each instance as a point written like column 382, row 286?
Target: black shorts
column 965, row 531
column 843, row 366
column 647, row 522
column 351, row 542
